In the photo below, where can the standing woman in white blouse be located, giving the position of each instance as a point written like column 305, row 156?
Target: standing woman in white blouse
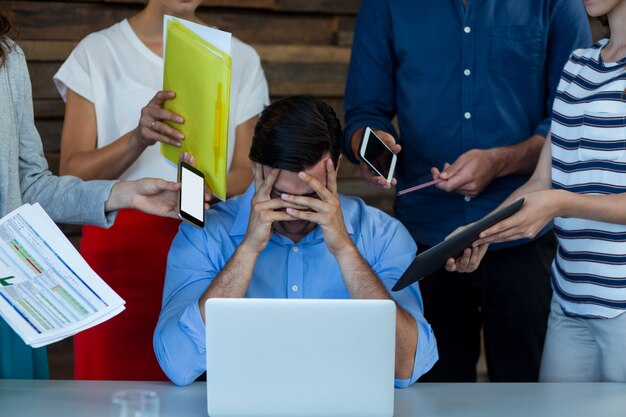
column 109, row 132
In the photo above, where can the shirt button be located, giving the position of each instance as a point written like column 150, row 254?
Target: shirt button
column 294, row 288
column 296, row 249
column 467, row 198
column 467, row 115
column 467, row 72
column 467, row 29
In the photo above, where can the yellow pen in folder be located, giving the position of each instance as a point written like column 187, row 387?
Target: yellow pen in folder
column 199, row 74
column 217, row 134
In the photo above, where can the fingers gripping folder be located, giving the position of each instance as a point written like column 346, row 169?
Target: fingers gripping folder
column 434, row 258
column 199, row 73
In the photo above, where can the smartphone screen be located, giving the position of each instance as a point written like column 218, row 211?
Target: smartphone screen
column 191, row 203
column 377, row 154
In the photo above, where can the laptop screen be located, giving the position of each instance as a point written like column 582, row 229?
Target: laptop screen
column 278, row 357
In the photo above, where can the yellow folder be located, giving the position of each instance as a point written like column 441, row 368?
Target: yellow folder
column 199, row 74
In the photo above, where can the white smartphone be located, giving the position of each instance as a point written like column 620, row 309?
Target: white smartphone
column 377, row 155
column 191, row 197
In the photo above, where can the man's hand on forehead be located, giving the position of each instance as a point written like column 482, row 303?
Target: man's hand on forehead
column 325, row 210
column 264, row 210
column 264, row 188
column 263, row 173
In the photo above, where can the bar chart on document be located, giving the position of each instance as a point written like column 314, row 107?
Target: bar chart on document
column 47, row 291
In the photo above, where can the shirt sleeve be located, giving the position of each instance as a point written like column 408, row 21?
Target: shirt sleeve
column 370, row 88
column 569, row 30
column 66, row 199
column 179, row 337
column 75, row 72
column 394, row 256
column 254, row 92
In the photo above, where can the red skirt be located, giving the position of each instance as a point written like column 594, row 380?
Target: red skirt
column 131, row 257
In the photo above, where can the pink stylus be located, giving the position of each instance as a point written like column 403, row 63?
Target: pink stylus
column 419, row 187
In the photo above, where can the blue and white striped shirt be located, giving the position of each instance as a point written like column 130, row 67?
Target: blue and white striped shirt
column 589, row 157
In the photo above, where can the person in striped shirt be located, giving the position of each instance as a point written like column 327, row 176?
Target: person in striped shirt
column 580, row 183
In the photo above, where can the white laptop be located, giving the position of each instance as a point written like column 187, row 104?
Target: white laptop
column 297, row 358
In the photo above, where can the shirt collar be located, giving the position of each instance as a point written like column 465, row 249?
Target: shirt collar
column 243, row 216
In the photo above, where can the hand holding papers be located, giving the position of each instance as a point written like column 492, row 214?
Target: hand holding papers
column 197, row 67
column 47, row 290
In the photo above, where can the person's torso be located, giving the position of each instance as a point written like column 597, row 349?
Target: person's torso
column 124, row 75
column 284, row 269
column 471, row 77
column 10, row 193
column 589, row 157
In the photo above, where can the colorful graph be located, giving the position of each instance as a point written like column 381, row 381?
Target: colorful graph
column 25, row 256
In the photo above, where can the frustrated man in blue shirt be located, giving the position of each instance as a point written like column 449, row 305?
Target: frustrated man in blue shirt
column 291, row 235
column 472, row 84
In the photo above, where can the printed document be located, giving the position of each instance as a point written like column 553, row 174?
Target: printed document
column 47, row 290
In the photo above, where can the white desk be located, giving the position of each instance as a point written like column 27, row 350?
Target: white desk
column 23, row 398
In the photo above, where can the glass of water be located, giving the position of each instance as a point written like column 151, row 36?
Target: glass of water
column 135, row 403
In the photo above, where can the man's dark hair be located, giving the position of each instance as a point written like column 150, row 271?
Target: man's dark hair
column 295, row 133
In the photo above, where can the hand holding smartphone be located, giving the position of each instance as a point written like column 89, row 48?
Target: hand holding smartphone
column 191, row 196
column 375, row 153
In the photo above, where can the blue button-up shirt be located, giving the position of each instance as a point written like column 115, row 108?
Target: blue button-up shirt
column 458, row 78
column 283, row 270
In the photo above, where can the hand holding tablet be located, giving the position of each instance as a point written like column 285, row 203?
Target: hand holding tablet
column 434, row 258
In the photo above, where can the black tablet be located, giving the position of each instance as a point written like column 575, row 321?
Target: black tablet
column 434, row 258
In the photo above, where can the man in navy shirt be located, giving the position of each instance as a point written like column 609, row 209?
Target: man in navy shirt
column 471, row 83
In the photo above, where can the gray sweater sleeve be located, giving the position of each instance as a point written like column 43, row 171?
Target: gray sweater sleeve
column 66, row 199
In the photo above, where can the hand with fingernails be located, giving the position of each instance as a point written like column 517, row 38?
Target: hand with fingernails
column 152, row 126
column 324, row 211
column 264, row 210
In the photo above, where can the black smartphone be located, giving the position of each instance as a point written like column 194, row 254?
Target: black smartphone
column 377, row 155
column 191, row 196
